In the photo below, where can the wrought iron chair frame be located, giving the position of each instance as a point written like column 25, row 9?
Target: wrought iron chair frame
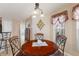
column 5, row 39
column 11, row 41
column 62, row 39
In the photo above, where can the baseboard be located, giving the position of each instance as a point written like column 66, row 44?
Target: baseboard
column 67, row 54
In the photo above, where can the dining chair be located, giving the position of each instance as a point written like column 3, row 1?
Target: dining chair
column 15, row 45
column 60, row 41
column 39, row 36
column 4, row 37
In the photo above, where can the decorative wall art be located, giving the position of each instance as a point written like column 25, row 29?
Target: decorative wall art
column 40, row 24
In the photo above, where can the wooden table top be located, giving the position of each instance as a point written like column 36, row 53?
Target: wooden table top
column 39, row 50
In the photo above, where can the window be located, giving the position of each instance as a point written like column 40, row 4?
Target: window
column 76, row 18
column 22, row 32
column 58, row 22
column 77, row 34
column 6, row 25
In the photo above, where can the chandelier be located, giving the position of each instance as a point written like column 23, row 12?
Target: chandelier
column 37, row 11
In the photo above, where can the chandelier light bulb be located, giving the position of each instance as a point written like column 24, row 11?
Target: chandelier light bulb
column 35, row 12
column 34, row 16
column 42, row 15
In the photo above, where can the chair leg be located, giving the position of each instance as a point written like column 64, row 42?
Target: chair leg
column 6, row 47
column 0, row 45
column 58, row 53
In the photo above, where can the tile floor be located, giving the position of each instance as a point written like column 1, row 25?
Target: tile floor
column 3, row 52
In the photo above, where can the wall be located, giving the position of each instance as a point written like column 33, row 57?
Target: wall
column 45, row 30
column 11, row 25
column 6, row 24
column 27, row 22
column 22, row 32
column 18, row 29
column 15, row 27
column 70, row 29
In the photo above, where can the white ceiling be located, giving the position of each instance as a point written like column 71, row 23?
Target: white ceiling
column 24, row 10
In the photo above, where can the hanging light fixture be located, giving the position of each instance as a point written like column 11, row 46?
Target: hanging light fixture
column 37, row 10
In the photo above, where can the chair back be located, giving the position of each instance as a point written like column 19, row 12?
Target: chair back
column 15, row 44
column 0, row 35
column 39, row 36
column 61, row 41
column 6, row 35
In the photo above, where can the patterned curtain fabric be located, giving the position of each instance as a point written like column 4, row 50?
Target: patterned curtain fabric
column 58, row 22
column 61, row 17
column 76, row 13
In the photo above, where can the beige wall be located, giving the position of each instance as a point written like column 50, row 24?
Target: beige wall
column 70, row 29
column 15, row 27
column 29, row 21
column 45, row 30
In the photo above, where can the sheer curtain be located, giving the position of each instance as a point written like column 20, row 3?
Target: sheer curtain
column 58, row 26
column 76, row 18
column 77, row 34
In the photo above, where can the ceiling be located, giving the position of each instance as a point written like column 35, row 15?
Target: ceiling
column 23, row 10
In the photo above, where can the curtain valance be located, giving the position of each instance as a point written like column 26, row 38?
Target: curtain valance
column 75, row 13
column 59, row 17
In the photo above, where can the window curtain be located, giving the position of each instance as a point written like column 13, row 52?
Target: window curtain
column 75, row 12
column 58, row 22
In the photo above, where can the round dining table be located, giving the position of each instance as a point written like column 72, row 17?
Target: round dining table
column 29, row 50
